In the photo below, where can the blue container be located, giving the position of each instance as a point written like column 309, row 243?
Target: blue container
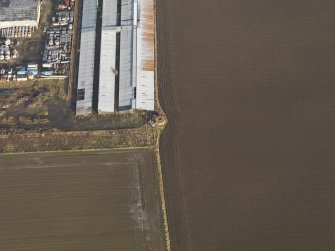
column 22, row 72
column 34, row 72
column 46, row 73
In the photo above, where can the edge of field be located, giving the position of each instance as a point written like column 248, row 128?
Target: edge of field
column 157, row 173
column 157, row 148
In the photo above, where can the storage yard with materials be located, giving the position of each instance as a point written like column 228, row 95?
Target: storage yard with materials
column 120, row 82
column 42, row 109
column 34, row 63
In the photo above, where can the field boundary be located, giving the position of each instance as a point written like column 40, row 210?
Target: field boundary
column 157, row 148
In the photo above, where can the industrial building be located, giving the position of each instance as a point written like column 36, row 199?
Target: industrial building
column 17, row 13
column 86, row 59
column 126, row 65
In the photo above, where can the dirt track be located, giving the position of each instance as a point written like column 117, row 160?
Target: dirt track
column 248, row 154
column 79, row 201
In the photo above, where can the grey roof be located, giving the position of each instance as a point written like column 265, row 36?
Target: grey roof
column 109, row 15
column 86, row 57
column 13, row 10
column 126, row 69
column 126, row 83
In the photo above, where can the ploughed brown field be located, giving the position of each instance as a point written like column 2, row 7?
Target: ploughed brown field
column 79, row 201
column 249, row 151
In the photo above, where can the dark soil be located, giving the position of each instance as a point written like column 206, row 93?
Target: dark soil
column 79, row 201
column 248, row 154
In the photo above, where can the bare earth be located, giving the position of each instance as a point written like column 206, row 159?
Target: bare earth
column 79, row 201
column 249, row 151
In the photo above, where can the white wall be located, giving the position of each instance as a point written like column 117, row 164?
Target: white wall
column 18, row 23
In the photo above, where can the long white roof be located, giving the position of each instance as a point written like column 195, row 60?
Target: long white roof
column 107, row 57
column 86, row 57
column 126, row 69
column 127, row 52
column 107, row 72
column 145, row 97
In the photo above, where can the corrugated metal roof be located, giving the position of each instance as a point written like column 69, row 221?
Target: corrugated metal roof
column 126, row 83
column 86, row 57
column 107, row 72
column 146, row 57
column 137, row 61
column 107, row 57
column 14, row 10
column 89, row 14
column 109, row 13
column 127, row 7
column 145, row 94
column 126, row 63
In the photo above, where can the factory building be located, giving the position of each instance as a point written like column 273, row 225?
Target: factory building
column 19, row 13
column 86, row 59
column 127, row 62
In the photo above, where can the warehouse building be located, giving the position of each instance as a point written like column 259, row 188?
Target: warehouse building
column 19, row 13
column 126, row 65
